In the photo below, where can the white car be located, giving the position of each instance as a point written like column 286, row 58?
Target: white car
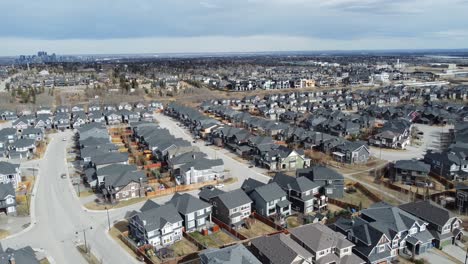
column 64, row 139
column 219, row 185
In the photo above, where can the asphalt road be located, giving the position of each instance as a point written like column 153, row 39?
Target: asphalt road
column 57, row 214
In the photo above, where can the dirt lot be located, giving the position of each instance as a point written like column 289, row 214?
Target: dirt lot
column 217, row 239
column 256, row 229
column 183, row 247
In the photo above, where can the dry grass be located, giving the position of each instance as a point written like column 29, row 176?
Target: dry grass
column 256, row 229
column 4, row 233
column 94, row 206
column 357, row 198
column 183, row 247
column 292, row 221
column 88, row 256
column 217, row 239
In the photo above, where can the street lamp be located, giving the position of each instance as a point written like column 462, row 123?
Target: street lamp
column 108, row 219
column 84, row 236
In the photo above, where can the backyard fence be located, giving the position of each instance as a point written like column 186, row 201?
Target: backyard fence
column 367, row 193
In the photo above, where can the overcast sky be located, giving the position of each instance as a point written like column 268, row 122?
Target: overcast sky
column 159, row 26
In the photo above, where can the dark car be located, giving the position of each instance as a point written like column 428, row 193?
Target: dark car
column 63, row 176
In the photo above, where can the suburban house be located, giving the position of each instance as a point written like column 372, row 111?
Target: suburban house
column 270, row 200
column 351, row 152
column 10, row 173
column 124, row 186
column 302, row 193
column 283, row 158
column 156, row 225
column 279, row 249
column 234, row 254
column 331, row 182
column 22, row 148
column 449, row 164
column 229, row 207
column 444, row 226
column 7, row 199
column 407, row 232
column 393, row 134
column 325, row 245
column 195, row 212
column 200, row 170
column 410, row 171
column 371, row 244
column 33, row 133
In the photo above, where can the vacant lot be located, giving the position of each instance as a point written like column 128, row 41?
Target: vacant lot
column 217, row 239
column 357, row 198
column 183, row 247
column 256, row 229
column 292, row 221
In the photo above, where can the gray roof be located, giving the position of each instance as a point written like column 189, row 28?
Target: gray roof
column 300, row 184
column 24, row 255
column 8, row 168
column 186, row 203
column 109, row 158
column 250, row 184
column 157, row 217
column 6, row 189
column 280, row 248
column 413, row 165
column 319, row 237
column 234, row 198
column 206, row 194
column 123, row 179
column 236, row 254
column 389, row 219
column 270, row 192
column 319, row 172
column 428, row 212
column 202, row 164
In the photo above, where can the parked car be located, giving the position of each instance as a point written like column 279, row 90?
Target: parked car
column 63, row 176
column 219, row 185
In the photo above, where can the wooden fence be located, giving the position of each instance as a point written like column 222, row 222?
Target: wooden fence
column 267, row 221
column 193, row 241
column 367, row 193
column 178, row 188
column 442, row 180
column 342, row 204
column 228, row 228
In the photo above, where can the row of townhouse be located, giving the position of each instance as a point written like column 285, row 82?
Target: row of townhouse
column 237, row 137
column 19, row 144
column 105, row 168
column 185, row 162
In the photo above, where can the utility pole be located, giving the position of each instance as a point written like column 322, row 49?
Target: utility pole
column 84, row 236
column 108, row 219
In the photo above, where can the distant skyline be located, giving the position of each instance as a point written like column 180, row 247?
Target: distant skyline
column 179, row 26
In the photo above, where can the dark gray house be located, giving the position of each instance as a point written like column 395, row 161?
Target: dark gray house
column 302, row 193
column 412, row 171
column 279, row 249
column 195, row 212
column 444, row 226
column 230, row 207
column 270, row 200
column 331, row 182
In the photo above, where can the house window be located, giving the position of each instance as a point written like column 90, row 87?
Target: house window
column 329, row 191
column 413, row 230
column 191, row 224
column 201, row 221
column 381, row 249
column 200, row 212
column 190, row 216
